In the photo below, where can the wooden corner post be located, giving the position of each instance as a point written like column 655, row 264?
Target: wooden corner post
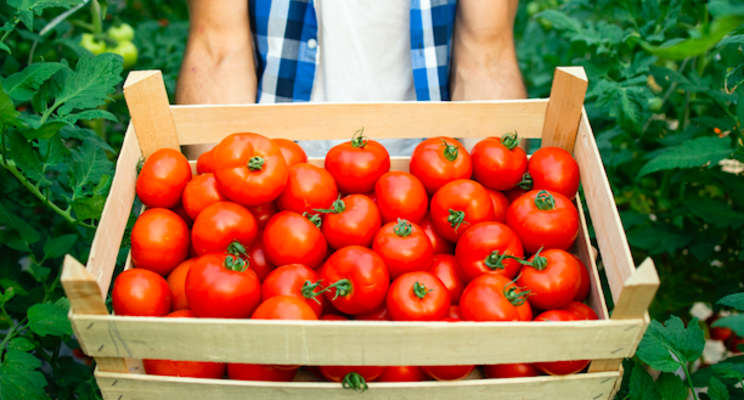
column 564, row 108
column 148, row 105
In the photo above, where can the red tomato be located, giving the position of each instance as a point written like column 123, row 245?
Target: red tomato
column 204, row 163
column 181, row 212
column 141, row 293
column 260, row 372
column 258, row 262
column 295, row 280
column 515, row 193
column 448, row 372
column 308, row 188
column 284, row 307
column 454, row 312
column 291, row 151
column 499, row 163
column 586, row 282
column 487, row 248
column 554, row 169
column 160, row 241
column 162, row 179
column 402, row 374
column 220, row 225
column 222, row 286
column 199, row 193
column 353, row 220
column 381, row 314
column 263, row 213
column 357, row 280
column 342, row 374
column 185, row 369
column 560, row 367
column 439, row 160
column 717, row 333
column 459, row 205
column 332, row 317
column 177, row 284
column 500, row 204
column 493, row 297
column 501, row 371
column 404, row 247
column 553, row 278
column 418, row 296
column 372, row 196
column 438, row 243
column 581, row 310
column 445, row 268
column 734, row 342
column 543, row 219
column 358, row 164
column 250, row 169
column 290, row 238
column 401, row 195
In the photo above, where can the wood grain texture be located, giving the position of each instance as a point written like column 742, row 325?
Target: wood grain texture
column 148, row 105
column 148, row 387
column 321, row 121
column 638, row 292
column 584, row 250
column 564, row 108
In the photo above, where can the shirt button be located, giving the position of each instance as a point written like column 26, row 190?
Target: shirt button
column 312, row 43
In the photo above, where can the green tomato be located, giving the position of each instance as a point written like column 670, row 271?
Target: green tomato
column 655, row 104
column 128, row 51
column 545, row 23
column 533, row 8
column 92, row 45
column 121, row 33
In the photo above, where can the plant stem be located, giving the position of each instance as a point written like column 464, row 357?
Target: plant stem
column 14, row 23
column 689, row 380
column 48, row 112
column 95, row 13
column 10, row 333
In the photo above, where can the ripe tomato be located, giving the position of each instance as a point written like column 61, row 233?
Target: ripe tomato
column 488, row 247
column 186, row 369
column 358, row 164
column 448, row 372
column 581, row 310
column 543, row 219
column 501, row 371
column 260, row 372
column 353, row 220
column 418, row 296
column 290, row 238
column 220, row 225
column 177, row 284
column 554, row 169
column 401, row 195
column 250, row 168
column 553, row 278
column 291, row 151
column 445, row 268
column 345, row 374
column 515, row 193
column 181, row 212
column 402, row 374
column 332, row 317
column 439, row 160
column 372, row 196
column 404, row 247
column 499, row 163
column 162, row 179
column 718, row 333
column 160, row 241
column 284, row 307
column 200, row 193
column 141, row 293
column 560, row 367
column 308, row 187
column 734, row 342
column 492, row 297
column 357, row 280
column 263, row 213
column 438, row 243
column 381, row 314
column 295, row 280
column 459, row 205
column 454, row 312
column 222, row 286
column 204, row 163
column 500, row 204
column 258, row 262
column 586, row 282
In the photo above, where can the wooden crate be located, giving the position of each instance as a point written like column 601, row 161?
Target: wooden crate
column 118, row 343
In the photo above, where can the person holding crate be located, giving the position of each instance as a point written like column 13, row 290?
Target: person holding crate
column 269, row 51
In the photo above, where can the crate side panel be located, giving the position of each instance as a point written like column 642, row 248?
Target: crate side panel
column 584, row 250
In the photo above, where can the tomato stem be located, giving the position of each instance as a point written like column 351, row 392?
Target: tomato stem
column 236, row 249
column 235, row 264
column 419, row 289
column 539, row 263
column 359, row 141
column 450, row 151
column 343, row 287
column 256, row 163
column 314, row 218
column 510, row 140
column 495, row 260
column 403, row 228
column 544, row 201
column 308, row 290
column 526, row 182
column 337, row 207
column 514, row 297
column 456, row 218
column 352, row 380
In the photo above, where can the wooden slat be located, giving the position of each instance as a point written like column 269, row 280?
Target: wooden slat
column 148, row 105
column 616, row 364
column 564, row 108
column 354, row 343
column 584, row 250
column 638, row 292
column 321, row 121
column 103, row 252
column 148, row 387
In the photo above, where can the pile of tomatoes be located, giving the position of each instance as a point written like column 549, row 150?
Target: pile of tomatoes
column 261, row 233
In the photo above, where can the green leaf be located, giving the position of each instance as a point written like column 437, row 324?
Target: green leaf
column 45, row 131
column 20, row 344
column 735, row 322
column 90, row 84
column 642, row 385
column 38, row 272
column 716, row 212
column 560, row 20
column 8, row 113
column 671, row 387
column 89, row 164
column 729, row 370
column 59, row 246
column 735, row 300
column 39, row 5
column 717, row 390
column 26, row 158
column 6, row 283
column 734, row 78
column 697, row 45
column 725, row 8
column 5, row 47
column 27, row 234
column 49, row 319
column 89, row 207
column 53, row 150
column 20, row 379
column 89, row 115
column 22, row 86
column 696, row 153
column 735, row 39
column 661, row 341
column 658, row 240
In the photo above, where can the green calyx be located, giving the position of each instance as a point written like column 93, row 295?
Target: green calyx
column 314, row 218
column 359, row 141
column 256, row 163
column 419, row 289
column 337, row 207
column 236, row 264
column 403, row 228
column 450, row 151
column 343, row 288
column 538, row 262
column 544, row 201
column 236, row 249
column 510, row 140
column 515, row 294
column 308, row 290
column 495, row 260
column 526, row 182
column 456, row 218
column 354, row 381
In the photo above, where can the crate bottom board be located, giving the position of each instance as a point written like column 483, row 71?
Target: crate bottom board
column 590, row 386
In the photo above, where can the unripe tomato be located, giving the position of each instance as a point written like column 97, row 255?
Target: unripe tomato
column 291, row 151
column 502, row 371
column 357, row 280
column 90, row 43
column 459, row 205
column 560, row 367
column 437, row 161
column 162, row 179
column 555, row 170
column 177, row 284
column 200, row 193
column 128, row 51
column 290, row 238
column 543, row 219
column 404, row 247
column 401, row 195
column 445, row 268
column 358, row 164
column 160, row 241
column 308, row 188
column 499, row 164
column 141, row 293
column 222, row 225
column 488, row 247
column 121, row 32
column 553, row 277
column 222, row 286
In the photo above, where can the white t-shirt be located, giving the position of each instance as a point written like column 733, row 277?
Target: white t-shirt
column 364, row 55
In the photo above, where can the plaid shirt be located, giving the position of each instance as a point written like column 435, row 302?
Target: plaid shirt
column 285, row 34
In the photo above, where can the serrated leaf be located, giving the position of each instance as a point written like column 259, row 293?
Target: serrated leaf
column 40, row 5
column 6, row 283
column 49, row 319
column 45, row 131
column 735, row 322
column 89, row 115
column 53, row 151
column 560, row 20
column 642, row 385
column 734, row 78
column 90, row 84
column 696, row 153
column 658, row 240
column 734, row 39
column 729, row 370
column 20, row 344
column 27, row 234
column 22, row 86
column 716, row 212
column 695, row 46
column 724, row 8
column 20, row 379
column 74, row 132
column 8, row 113
column 26, row 158
column 662, row 341
column 717, row 390
column 59, row 246
column 89, row 164
column 671, row 387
